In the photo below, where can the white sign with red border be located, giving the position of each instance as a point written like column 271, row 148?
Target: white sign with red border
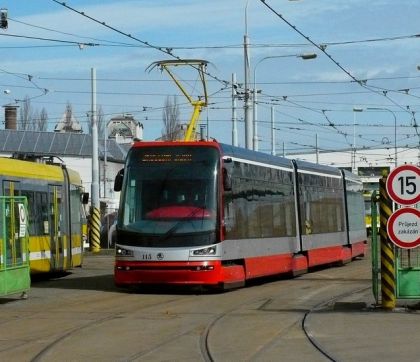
column 403, row 184
column 403, row 227
column 22, row 220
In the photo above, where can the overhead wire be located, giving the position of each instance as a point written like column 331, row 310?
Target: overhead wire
column 229, row 46
column 167, row 51
column 146, row 44
column 322, row 48
column 49, row 39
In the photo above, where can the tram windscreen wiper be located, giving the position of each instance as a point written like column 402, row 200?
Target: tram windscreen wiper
column 179, row 223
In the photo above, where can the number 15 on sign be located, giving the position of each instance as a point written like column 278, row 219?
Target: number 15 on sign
column 403, row 184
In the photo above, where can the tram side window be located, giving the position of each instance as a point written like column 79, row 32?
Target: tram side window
column 321, row 204
column 75, row 210
column 77, row 214
column 134, row 192
column 235, row 210
column 356, row 210
column 41, row 205
column 260, row 203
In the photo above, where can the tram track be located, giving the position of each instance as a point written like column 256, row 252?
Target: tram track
column 310, row 336
column 299, row 322
column 204, row 338
column 206, row 349
column 258, row 322
column 48, row 349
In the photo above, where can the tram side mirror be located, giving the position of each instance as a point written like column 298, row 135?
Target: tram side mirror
column 85, row 198
column 227, row 180
column 119, row 180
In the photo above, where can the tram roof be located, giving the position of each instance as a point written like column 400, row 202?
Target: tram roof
column 255, row 156
column 314, row 167
column 62, row 144
column 352, row 177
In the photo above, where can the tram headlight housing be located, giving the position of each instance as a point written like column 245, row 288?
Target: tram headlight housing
column 123, row 252
column 211, row 250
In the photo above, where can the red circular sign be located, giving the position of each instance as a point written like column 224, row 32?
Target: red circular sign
column 403, row 184
column 403, row 227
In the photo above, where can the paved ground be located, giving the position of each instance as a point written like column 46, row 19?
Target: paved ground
column 83, row 317
column 354, row 329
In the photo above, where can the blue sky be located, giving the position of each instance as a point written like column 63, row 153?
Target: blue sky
column 372, row 41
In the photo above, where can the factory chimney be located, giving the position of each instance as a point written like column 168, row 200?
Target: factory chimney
column 10, row 117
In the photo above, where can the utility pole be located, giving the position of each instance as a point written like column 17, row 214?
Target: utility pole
column 247, row 103
column 273, row 133
column 234, row 129
column 353, row 153
column 95, row 219
column 316, row 148
column 254, row 119
column 105, row 133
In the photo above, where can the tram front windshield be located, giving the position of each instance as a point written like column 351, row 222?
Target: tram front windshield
column 169, row 197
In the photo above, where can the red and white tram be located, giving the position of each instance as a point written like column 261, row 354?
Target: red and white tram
column 205, row 213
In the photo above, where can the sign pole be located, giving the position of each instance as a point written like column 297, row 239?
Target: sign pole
column 95, row 216
column 387, row 250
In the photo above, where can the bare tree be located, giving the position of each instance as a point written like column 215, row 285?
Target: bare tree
column 42, row 120
column 26, row 115
column 35, row 117
column 171, row 121
column 30, row 119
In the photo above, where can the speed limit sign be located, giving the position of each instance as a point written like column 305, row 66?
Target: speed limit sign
column 403, row 184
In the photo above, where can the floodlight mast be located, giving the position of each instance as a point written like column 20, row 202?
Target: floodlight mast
column 198, row 104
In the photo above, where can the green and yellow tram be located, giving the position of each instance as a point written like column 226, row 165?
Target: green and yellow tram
column 56, row 217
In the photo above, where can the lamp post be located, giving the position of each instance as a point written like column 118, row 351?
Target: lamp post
column 353, row 153
column 304, row 56
column 247, row 105
column 395, row 129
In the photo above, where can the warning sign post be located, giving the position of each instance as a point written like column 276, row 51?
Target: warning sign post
column 403, row 228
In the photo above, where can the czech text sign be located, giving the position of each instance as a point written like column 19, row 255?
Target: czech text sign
column 403, row 184
column 22, row 220
column 403, row 227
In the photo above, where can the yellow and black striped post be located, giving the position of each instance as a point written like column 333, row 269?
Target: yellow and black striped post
column 95, row 229
column 387, row 249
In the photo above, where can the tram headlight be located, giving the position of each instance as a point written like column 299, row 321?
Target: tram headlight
column 123, row 252
column 211, row 250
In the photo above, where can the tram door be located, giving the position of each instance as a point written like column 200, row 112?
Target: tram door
column 55, row 218
column 13, row 246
